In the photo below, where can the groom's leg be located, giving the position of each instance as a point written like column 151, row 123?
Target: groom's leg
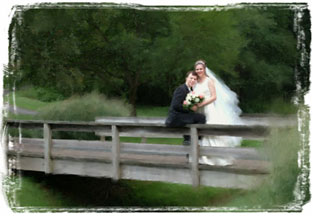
column 199, row 118
column 191, row 118
column 186, row 140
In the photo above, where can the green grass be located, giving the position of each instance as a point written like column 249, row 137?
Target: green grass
column 25, row 102
column 67, row 191
column 152, row 111
column 251, row 143
column 160, row 194
column 28, row 192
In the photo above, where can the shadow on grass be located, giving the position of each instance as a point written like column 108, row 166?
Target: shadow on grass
column 69, row 191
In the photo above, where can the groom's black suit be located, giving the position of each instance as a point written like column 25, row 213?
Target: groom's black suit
column 178, row 116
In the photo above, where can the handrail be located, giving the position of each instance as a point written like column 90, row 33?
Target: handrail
column 115, row 129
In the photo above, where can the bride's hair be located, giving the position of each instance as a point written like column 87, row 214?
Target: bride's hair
column 202, row 62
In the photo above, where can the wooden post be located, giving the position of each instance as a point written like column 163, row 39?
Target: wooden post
column 102, row 138
column 5, row 148
column 194, row 157
column 47, row 135
column 115, row 153
column 143, row 139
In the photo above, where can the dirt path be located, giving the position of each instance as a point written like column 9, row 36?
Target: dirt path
column 17, row 110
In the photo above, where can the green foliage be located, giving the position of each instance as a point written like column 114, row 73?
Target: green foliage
column 48, row 94
column 142, row 55
column 267, row 62
column 274, row 105
column 281, row 149
column 84, row 108
column 27, row 91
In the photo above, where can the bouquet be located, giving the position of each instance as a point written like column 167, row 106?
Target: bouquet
column 192, row 99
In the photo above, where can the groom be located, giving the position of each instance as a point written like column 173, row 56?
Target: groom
column 178, row 116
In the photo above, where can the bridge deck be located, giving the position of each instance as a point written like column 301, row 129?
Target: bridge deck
column 167, row 156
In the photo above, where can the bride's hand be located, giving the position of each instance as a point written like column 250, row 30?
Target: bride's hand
column 194, row 108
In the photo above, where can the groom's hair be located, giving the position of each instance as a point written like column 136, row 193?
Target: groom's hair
column 192, row 72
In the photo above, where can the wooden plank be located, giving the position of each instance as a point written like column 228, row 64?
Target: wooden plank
column 233, row 130
column 170, row 161
column 5, row 140
column 158, row 120
column 153, row 131
column 115, row 153
column 24, row 124
column 251, row 132
column 247, row 153
column 47, row 134
column 194, row 157
column 247, row 119
column 174, row 175
column 149, row 129
column 152, row 149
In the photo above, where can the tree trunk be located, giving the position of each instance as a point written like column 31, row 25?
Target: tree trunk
column 133, row 83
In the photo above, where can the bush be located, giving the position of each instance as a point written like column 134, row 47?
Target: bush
column 27, row 91
column 48, row 94
column 82, row 108
column 41, row 94
column 281, row 149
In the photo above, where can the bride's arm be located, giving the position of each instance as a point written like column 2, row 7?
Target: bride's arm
column 212, row 92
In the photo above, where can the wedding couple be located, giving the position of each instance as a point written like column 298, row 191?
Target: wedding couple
column 220, row 106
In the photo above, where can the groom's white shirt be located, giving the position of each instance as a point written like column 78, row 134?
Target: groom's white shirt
column 188, row 87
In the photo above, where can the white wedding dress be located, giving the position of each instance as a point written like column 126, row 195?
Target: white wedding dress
column 224, row 110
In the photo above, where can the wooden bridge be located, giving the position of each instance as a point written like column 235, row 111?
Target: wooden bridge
column 141, row 161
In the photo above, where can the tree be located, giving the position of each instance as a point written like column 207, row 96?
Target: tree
column 211, row 36
column 143, row 55
column 266, row 64
column 132, row 37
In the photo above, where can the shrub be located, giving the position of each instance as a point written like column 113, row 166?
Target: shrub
column 27, row 91
column 48, row 94
column 83, row 108
column 281, row 149
column 39, row 93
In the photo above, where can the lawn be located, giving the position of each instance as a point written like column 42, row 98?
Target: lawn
column 24, row 102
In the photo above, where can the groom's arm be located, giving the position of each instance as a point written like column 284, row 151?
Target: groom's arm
column 178, row 99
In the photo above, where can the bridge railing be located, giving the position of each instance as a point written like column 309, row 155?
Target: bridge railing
column 123, row 157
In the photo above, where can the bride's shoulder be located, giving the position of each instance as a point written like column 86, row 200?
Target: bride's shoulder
column 210, row 80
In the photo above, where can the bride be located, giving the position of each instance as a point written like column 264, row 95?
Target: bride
column 220, row 106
